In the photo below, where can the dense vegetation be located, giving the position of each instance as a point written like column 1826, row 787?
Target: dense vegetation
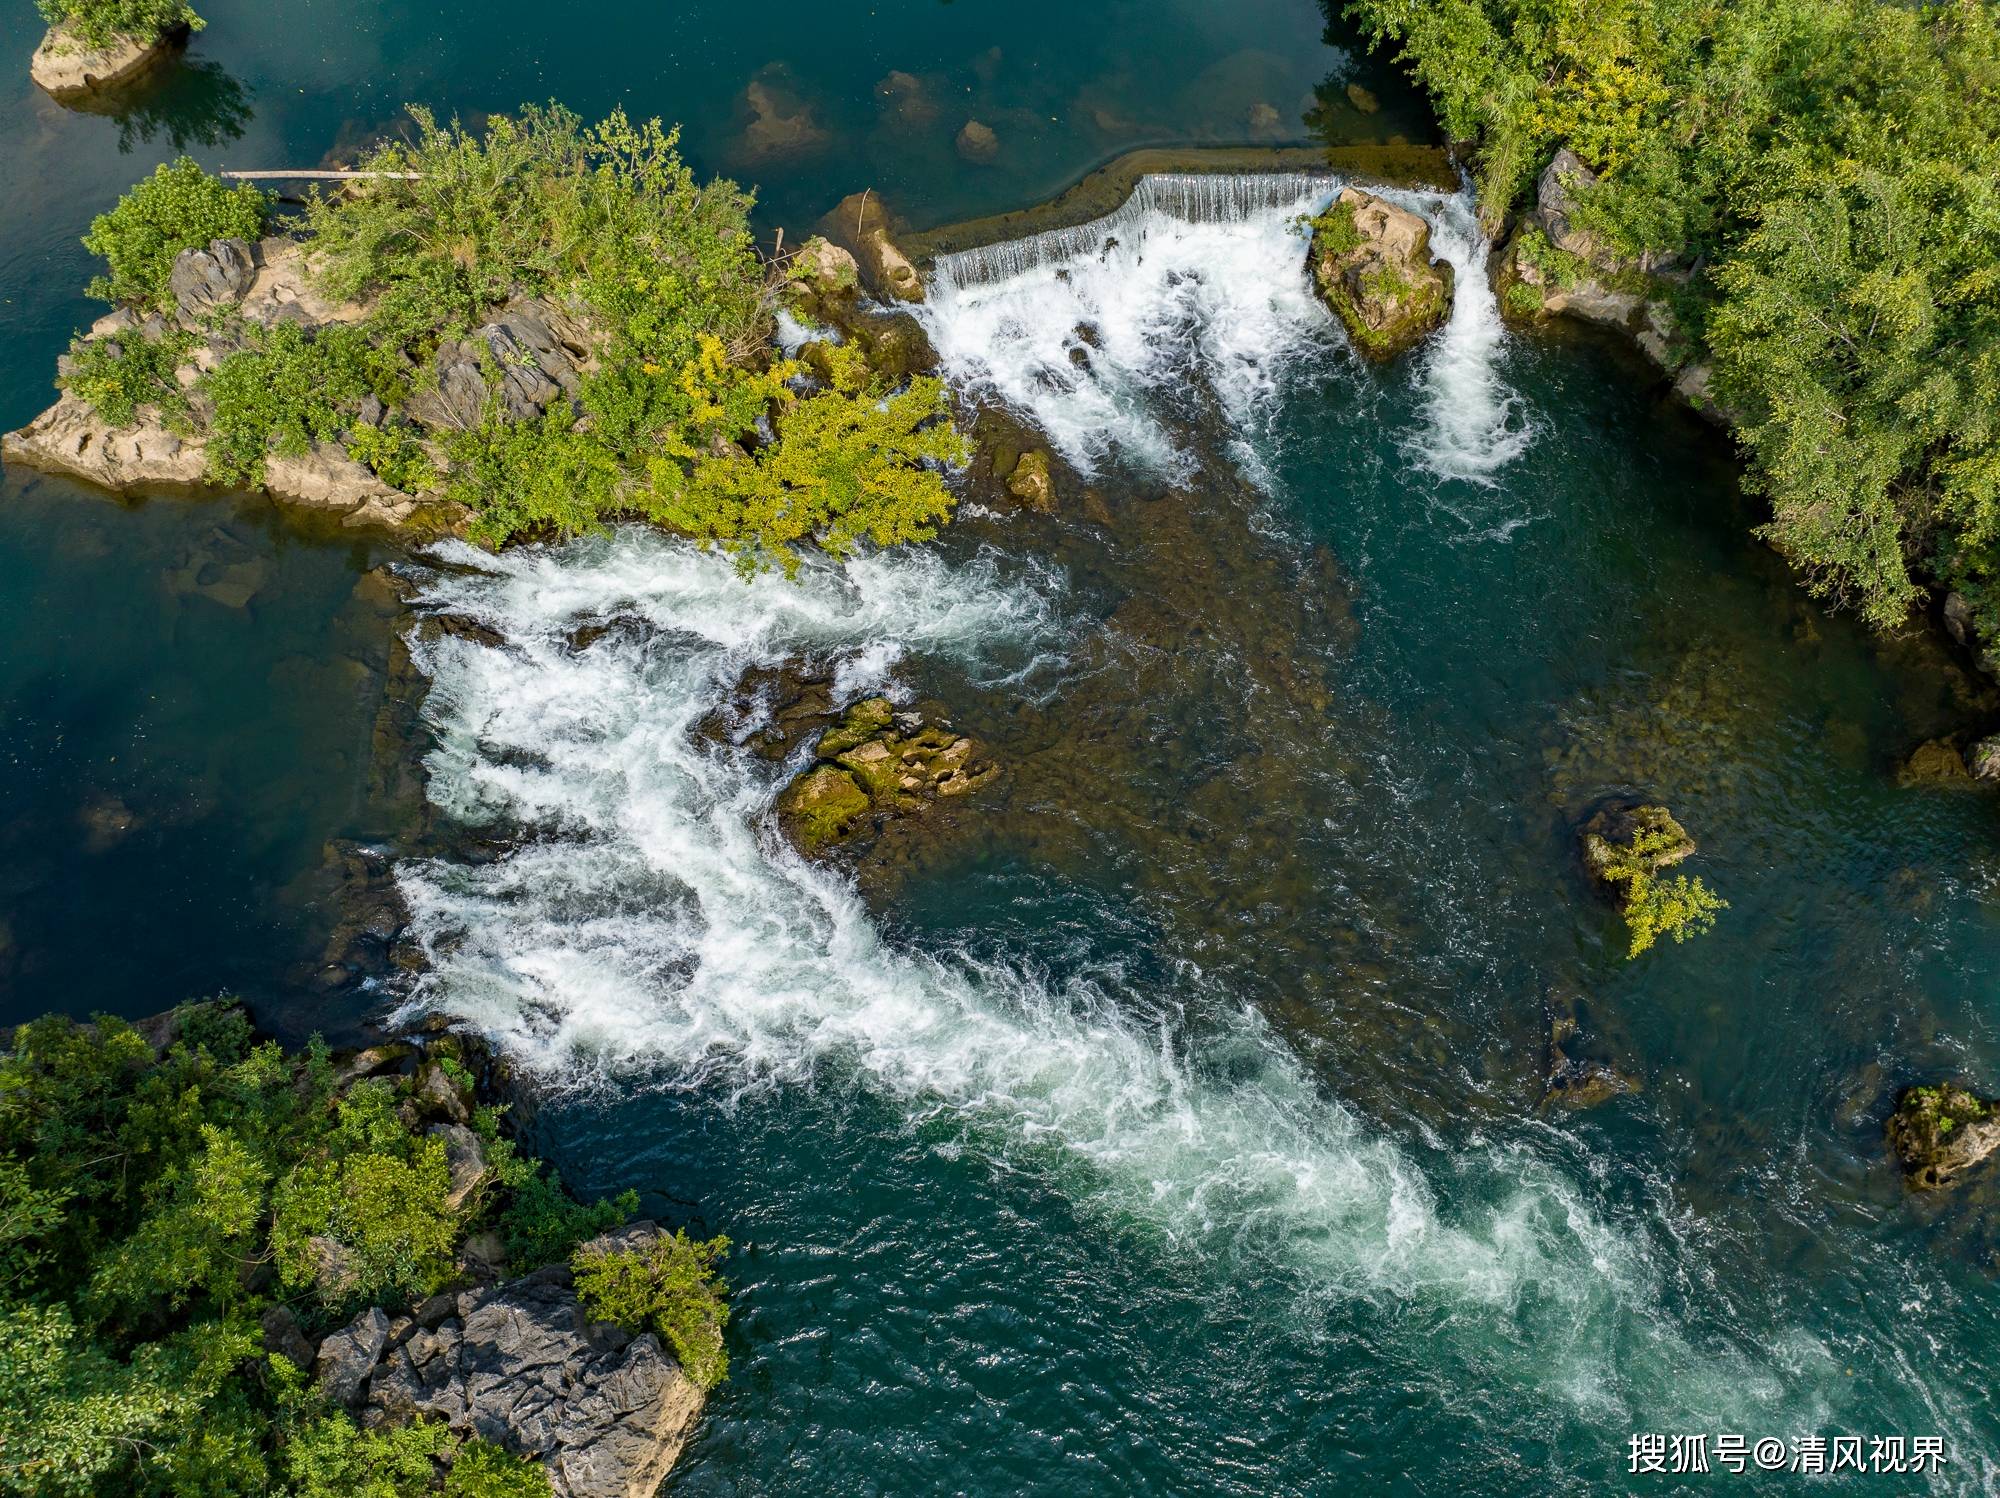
column 680, row 413
column 1822, row 177
column 97, row 22
column 155, row 1205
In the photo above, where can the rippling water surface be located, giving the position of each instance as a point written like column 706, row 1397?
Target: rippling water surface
column 1172, row 1124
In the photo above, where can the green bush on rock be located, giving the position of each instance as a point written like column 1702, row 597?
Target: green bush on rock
column 146, row 1196
column 668, row 1286
column 178, row 208
column 97, row 23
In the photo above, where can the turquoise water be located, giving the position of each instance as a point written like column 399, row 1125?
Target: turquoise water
column 1171, row 1125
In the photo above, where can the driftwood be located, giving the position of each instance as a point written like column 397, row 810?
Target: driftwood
column 319, row 175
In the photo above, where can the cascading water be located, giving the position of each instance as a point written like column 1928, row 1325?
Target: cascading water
column 648, row 922
column 645, row 925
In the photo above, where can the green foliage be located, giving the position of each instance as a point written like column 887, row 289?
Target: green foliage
column 97, row 22
column 543, row 1224
column 1830, row 169
column 179, row 207
column 142, row 1197
column 1335, row 229
column 670, row 1287
column 1679, row 907
column 376, row 1192
column 394, row 455
column 851, row 462
column 116, row 376
column 288, row 390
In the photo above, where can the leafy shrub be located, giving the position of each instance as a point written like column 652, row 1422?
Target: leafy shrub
column 395, row 456
column 1335, row 229
column 851, row 463
column 1679, row 907
column 543, row 1224
column 98, row 22
column 379, row 1194
column 179, row 207
column 670, row 1287
column 288, row 390
column 116, row 376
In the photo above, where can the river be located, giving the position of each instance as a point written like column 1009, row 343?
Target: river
column 1172, row 1125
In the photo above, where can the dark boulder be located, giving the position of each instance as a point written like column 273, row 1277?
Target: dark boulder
column 205, row 281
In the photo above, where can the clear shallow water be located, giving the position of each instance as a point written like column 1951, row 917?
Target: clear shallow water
column 1173, row 1127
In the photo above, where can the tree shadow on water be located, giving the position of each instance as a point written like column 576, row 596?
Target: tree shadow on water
column 186, row 103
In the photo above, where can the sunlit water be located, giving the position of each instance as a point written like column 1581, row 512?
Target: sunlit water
column 1172, row 1127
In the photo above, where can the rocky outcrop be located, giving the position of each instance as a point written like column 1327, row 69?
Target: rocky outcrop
column 68, row 67
column 220, row 290
column 71, row 438
column 862, row 225
column 205, row 281
column 874, row 765
column 1983, row 759
column 531, row 367
column 1029, row 481
column 522, row 1365
column 1372, row 265
column 1939, row 762
column 1939, row 1133
column 1577, row 1082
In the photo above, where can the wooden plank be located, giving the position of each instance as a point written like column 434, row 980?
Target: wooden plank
column 316, row 176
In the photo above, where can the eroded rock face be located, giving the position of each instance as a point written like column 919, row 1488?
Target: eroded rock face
column 520, row 1364
column 71, row 438
column 861, row 223
column 1371, row 263
column 67, row 67
column 875, row 764
column 533, row 369
column 205, row 281
column 1555, row 202
column 347, row 1357
column 1939, row 1133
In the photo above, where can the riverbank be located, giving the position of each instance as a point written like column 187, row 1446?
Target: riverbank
column 326, row 1269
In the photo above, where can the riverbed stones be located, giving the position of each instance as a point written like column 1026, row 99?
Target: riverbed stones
column 68, row 67
column 1940, row 1132
column 1031, row 483
column 1372, row 265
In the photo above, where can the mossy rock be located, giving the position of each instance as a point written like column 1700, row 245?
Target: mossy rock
column 1030, row 482
column 876, row 764
column 822, row 807
column 1937, row 763
column 1940, row 1132
column 1372, row 265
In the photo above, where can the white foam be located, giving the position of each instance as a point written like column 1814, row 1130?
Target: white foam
column 1196, row 281
column 649, row 924
column 1474, row 424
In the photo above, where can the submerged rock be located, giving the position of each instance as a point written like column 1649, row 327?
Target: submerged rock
column 66, row 66
column 977, row 142
column 1938, row 1133
column 1372, row 265
column 874, row 765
